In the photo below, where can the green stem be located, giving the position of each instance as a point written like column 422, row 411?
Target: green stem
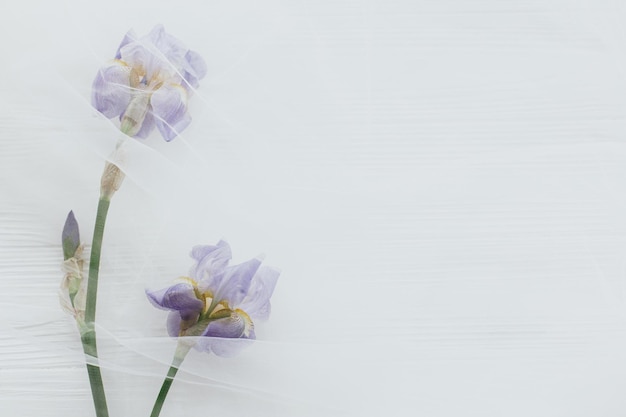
column 94, row 261
column 88, row 336
column 95, row 378
column 179, row 356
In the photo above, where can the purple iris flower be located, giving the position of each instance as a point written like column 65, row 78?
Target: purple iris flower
column 218, row 301
column 148, row 83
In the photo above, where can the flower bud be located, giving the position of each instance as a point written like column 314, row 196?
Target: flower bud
column 70, row 238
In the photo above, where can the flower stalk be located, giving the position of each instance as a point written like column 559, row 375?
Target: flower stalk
column 94, row 261
column 88, row 333
column 88, row 338
column 181, row 351
column 112, row 178
column 79, row 301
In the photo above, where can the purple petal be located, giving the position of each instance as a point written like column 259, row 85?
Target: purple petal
column 136, row 55
column 111, row 90
column 156, row 53
column 221, row 252
column 172, row 129
column 179, row 297
column 227, row 337
column 142, row 54
column 257, row 302
column 175, row 55
column 235, row 282
column 146, row 127
column 157, row 32
column 169, row 107
column 210, row 261
column 230, row 327
column 70, row 237
column 194, row 68
column 172, row 48
column 128, row 38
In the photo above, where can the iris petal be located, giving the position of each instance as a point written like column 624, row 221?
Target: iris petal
column 169, row 107
column 226, row 337
column 111, row 90
column 221, row 252
column 231, row 327
column 194, row 68
column 210, row 260
column 171, row 48
column 146, row 127
column 130, row 36
column 257, row 301
column 179, row 297
column 235, row 282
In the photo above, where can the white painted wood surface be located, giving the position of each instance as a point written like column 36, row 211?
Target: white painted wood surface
column 443, row 184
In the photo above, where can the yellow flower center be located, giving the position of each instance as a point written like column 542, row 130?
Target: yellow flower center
column 218, row 309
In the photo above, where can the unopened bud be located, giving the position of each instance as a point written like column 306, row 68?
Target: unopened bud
column 70, row 238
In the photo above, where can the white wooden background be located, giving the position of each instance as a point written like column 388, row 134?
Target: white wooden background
column 442, row 182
